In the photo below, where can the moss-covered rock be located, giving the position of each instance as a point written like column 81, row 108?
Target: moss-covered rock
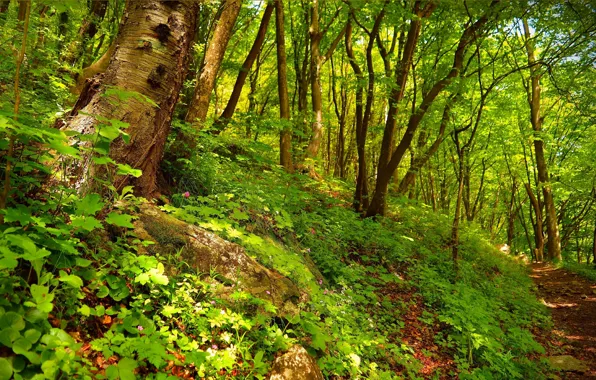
column 208, row 253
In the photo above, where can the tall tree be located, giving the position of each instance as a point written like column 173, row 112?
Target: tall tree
column 316, row 63
column 285, row 139
column 155, row 71
column 199, row 105
column 246, row 66
column 534, row 89
column 389, row 158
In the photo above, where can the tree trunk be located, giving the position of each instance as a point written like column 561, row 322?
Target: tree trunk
column 316, row 62
column 553, row 242
column 456, row 217
column 155, row 70
column 199, row 105
column 538, row 232
column 389, row 161
column 511, row 214
column 285, row 139
column 315, row 82
column 594, row 245
column 228, row 112
column 420, row 160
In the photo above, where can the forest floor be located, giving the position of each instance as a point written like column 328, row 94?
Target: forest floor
column 572, row 301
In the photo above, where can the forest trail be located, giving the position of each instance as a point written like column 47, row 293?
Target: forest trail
column 572, row 300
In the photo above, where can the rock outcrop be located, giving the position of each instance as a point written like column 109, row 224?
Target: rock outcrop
column 296, row 364
column 208, row 253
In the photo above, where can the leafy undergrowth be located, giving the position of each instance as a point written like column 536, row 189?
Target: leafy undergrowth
column 384, row 301
column 586, row 271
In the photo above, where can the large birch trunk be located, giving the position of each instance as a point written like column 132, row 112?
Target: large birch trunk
column 149, row 60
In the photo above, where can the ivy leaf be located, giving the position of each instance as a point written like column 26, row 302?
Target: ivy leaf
column 119, row 220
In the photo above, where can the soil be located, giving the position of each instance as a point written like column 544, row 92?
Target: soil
column 572, row 301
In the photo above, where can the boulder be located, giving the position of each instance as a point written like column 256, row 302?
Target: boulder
column 208, row 253
column 567, row 363
column 296, row 364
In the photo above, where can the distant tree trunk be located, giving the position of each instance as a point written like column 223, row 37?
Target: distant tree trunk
column 457, row 216
column 199, row 105
column 156, row 71
column 88, row 29
column 594, row 245
column 420, row 160
column 228, row 112
column 285, row 139
column 511, row 214
column 538, row 232
column 316, row 63
column 315, row 82
column 553, row 242
column 361, row 194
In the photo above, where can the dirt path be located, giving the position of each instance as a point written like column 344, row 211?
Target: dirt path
column 572, row 301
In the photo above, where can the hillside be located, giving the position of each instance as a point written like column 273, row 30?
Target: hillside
column 297, row 190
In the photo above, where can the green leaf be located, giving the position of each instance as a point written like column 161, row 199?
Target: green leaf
column 124, row 169
column 239, row 215
column 12, row 319
column 126, row 368
column 88, row 223
column 83, row 263
column 8, row 336
column 89, row 205
column 102, row 292
column 112, row 372
column 71, row 279
column 32, row 335
column 85, row 310
column 42, row 297
column 5, row 369
column 21, row 346
column 119, row 220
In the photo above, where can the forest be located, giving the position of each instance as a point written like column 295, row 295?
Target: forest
column 297, row 189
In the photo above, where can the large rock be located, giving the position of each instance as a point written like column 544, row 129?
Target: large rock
column 567, row 363
column 207, row 253
column 296, row 364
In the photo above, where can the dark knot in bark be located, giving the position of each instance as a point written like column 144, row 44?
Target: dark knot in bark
column 163, row 32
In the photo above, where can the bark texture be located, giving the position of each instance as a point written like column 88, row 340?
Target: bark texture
column 199, row 105
column 150, row 62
